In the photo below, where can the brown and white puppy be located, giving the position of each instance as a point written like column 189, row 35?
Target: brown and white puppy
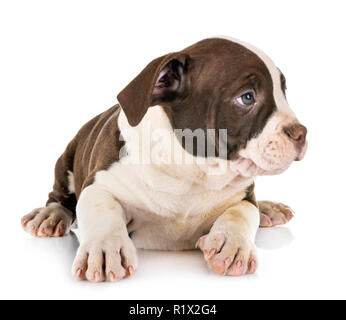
column 172, row 166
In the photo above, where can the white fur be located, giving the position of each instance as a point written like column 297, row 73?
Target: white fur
column 171, row 204
column 104, row 238
column 229, row 246
column 272, row 151
column 99, row 214
column 248, row 227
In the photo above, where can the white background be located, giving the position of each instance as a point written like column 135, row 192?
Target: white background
column 62, row 62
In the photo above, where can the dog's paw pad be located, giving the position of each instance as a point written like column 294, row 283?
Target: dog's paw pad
column 273, row 213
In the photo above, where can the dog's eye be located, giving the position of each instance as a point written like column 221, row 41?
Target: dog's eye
column 246, row 99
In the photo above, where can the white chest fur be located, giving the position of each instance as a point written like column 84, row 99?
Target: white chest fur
column 168, row 205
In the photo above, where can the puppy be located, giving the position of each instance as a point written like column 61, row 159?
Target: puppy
column 172, row 165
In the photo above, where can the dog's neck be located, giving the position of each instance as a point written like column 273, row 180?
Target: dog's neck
column 154, row 145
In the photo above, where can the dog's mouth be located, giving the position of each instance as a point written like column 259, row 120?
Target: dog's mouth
column 268, row 167
column 251, row 168
column 266, row 164
column 274, row 154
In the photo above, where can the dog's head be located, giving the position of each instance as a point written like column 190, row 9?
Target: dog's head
column 222, row 84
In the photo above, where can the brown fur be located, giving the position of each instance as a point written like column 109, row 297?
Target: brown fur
column 213, row 73
column 95, row 147
column 197, row 90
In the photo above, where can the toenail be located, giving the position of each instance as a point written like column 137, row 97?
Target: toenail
column 112, row 276
column 96, row 275
column 228, row 261
column 130, row 271
column 239, row 263
column 209, row 254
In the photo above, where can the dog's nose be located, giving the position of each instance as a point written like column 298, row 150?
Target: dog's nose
column 297, row 133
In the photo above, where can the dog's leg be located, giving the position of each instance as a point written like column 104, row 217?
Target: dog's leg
column 56, row 218
column 273, row 213
column 106, row 251
column 229, row 247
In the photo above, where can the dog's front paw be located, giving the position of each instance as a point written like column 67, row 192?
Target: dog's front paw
column 51, row 221
column 274, row 213
column 228, row 253
column 111, row 259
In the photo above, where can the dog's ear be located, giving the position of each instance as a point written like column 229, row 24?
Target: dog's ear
column 162, row 80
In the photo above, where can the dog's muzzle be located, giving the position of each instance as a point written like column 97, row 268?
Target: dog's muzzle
column 297, row 134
